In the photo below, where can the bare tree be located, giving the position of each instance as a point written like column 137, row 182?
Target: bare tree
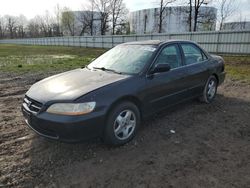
column 68, row 21
column 56, row 25
column 34, row 28
column 163, row 6
column 226, row 9
column 194, row 11
column 44, row 24
column 208, row 20
column 86, row 17
column 2, row 27
column 190, row 15
column 11, row 25
column 197, row 5
column 21, row 26
column 49, row 21
column 123, row 28
column 104, row 9
column 118, row 14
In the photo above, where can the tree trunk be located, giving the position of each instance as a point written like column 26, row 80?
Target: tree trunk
column 160, row 17
column 196, row 12
column 190, row 15
column 160, row 22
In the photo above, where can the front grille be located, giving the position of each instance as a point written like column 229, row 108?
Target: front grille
column 32, row 105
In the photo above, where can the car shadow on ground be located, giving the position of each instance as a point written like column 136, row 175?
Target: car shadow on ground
column 192, row 140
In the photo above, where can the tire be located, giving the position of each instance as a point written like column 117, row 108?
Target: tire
column 122, row 124
column 210, row 90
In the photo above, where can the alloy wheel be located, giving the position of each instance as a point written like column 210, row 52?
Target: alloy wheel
column 124, row 124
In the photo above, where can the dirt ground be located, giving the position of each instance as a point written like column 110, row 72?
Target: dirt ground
column 210, row 146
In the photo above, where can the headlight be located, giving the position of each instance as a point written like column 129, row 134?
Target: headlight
column 72, row 108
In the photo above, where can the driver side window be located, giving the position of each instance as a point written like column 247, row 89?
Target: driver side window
column 170, row 55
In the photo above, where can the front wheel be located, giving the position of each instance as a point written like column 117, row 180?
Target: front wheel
column 122, row 124
column 210, row 90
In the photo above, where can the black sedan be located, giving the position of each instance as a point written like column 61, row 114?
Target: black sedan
column 109, row 97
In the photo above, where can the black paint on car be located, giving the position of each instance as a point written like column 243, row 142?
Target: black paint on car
column 109, row 97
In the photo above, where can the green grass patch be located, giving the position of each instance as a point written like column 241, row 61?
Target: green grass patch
column 239, row 72
column 238, row 67
column 25, row 58
column 244, row 59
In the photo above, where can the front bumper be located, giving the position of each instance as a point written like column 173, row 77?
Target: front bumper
column 65, row 128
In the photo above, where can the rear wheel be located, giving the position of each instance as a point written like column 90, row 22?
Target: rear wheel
column 122, row 124
column 210, row 90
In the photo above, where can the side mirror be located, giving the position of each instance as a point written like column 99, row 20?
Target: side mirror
column 164, row 67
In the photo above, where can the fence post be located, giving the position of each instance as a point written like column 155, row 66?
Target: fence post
column 123, row 39
column 112, row 39
column 218, row 42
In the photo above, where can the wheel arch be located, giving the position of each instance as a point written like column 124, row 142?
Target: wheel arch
column 129, row 98
column 217, row 77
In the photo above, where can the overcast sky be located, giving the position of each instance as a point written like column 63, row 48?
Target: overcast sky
column 30, row 8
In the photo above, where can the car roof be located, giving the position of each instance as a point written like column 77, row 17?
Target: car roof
column 154, row 42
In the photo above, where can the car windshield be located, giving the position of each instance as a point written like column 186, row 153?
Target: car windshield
column 128, row 59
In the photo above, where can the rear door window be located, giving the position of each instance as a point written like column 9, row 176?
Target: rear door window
column 193, row 54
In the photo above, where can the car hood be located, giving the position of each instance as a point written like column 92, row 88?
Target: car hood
column 71, row 85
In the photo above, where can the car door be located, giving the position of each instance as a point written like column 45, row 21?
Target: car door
column 166, row 88
column 196, row 68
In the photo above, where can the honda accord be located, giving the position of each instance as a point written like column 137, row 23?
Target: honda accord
column 109, row 97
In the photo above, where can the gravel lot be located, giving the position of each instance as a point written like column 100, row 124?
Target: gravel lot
column 210, row 146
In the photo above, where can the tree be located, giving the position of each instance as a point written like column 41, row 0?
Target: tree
column 48, row 22
column 21, row 26
column 68, row 21
column 2, row 27
column 123, row 28
column 87, row 17
column 208, row 19
column 194, row 8
column 226, row 9
column 190, row 15
column 104, row 9
column 11, row 25
column 34, row 28
column 118, row 14
column 197, row 5
column 43, row 22
column 56, row 25
column 163, row 5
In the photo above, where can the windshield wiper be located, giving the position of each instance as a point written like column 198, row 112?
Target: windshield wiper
column 105, row 69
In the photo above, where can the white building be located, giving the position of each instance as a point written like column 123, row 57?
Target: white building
column 175, row 19
column 236, row 26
